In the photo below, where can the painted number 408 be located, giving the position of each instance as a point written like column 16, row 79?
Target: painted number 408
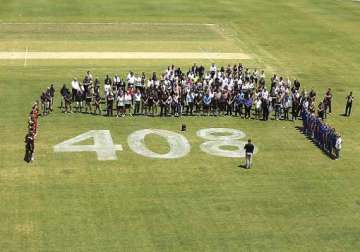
column 217, row 141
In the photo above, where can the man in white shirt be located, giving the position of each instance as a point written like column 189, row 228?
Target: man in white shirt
column 138, row 83
column 213, row 67
column 120, row 103
column 89, row 75
column 251, row 85
column 213, row 70
column 306, row 105
column 116, row 80
column 265, row 94
column 338, row 147
column 130, row 79
column 137, row 99
column 150, row 83
column 258, row 104
column 75, row 85
column 128, row 101
column 107, row 89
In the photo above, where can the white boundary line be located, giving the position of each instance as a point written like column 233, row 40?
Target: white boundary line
column 26, row 55
column 121, row 55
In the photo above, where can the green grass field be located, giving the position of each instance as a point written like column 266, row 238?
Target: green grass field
column 294, row 199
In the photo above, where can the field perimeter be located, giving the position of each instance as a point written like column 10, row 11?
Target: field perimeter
column 121, row 55
column 294, row 199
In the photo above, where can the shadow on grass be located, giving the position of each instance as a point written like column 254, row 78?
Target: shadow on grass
column 344, row 115
column 243, row 167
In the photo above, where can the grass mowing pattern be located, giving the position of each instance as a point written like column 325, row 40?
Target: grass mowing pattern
column 295, row 198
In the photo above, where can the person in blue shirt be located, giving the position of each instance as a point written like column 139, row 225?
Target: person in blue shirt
column 332, row 142
column 248, row 105
column 317, row 129
column 189, row 101
column 237, row 103
column 207, row 102
column 304, row 119
column 327, row 140
column 321, row 135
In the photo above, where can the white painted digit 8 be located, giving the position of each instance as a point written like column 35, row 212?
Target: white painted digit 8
column 215, row 145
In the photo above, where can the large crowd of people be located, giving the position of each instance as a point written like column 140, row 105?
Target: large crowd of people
column 228, row 91
column 218, row 91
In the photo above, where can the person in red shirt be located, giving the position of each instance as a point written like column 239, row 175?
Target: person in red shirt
column 35, row 112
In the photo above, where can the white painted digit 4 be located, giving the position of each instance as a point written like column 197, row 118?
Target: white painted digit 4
column 103, row 144
column 215, row 145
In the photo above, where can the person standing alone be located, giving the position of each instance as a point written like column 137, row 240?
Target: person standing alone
column 349, row 101
column 327, row 100
column 249, row 150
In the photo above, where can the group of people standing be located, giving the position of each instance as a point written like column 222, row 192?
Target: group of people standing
column 33, row 123
column 43, row 108
column 219, row 91
column 47, row 100
column 322, row 134
column 228, row 91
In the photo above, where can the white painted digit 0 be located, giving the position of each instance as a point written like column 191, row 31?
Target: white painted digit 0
column 103, row 144
column 229, row 137
column 179, row 145
column 216, row 134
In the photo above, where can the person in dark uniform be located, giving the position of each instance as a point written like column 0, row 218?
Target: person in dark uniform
column 151, row 102
column 198, row 102
column 297, row 84
column 68, row 100
column 29, row 146
column 249, row 150
column 88, row 100
column 349, row 101
column 43, row 103
column 79, row 101
column 109, row 103
column 265, row 109
column 248, row 105
column 52, row 96
column 321, row 109
column 328, row 99
column 107, row 80
column 229, row 104
column 64, row 92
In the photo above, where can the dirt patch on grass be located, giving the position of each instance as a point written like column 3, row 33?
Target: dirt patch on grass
column 26, row 228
